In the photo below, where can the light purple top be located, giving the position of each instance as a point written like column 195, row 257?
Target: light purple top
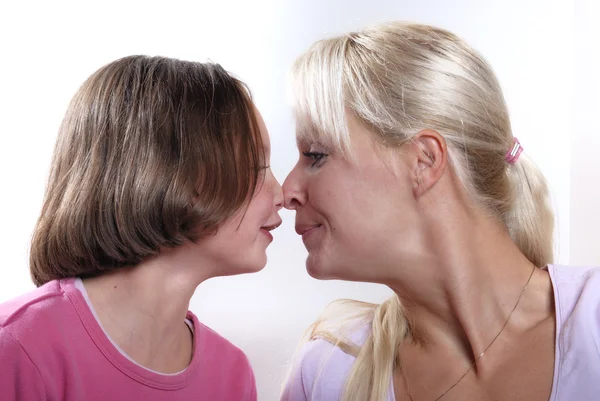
column 321, row 369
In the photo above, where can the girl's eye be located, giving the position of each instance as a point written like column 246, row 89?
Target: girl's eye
column 316, row 156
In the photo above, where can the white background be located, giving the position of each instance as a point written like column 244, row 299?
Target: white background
column 545, row 53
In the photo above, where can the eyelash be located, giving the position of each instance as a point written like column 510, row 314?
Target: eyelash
column 316, row 156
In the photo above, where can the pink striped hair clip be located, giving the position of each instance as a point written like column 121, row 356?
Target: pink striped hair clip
column 513, row 154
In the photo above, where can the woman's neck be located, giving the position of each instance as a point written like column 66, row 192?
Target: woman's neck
column 463, row 288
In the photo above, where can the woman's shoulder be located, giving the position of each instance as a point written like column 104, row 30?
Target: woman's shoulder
column 571, row 273
column 577, row 308
column 322, row 364
column 336, row 352
column 577, row 303
column 575, row 287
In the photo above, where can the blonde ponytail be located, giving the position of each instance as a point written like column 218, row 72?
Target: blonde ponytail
column 377, row 357
column 530, row 219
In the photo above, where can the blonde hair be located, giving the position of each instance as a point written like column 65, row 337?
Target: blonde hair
column 398, row 79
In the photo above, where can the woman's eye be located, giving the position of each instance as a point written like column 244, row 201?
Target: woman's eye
column 315, row 156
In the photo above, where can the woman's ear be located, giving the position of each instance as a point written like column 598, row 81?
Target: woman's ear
column 429, row 160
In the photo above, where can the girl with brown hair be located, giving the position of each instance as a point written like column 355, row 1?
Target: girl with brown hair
column 159, row 181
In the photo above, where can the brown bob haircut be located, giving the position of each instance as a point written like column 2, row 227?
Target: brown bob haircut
column 152, row 152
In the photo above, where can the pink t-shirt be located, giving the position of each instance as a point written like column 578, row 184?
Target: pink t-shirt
column 52, row 348
column 321, row 370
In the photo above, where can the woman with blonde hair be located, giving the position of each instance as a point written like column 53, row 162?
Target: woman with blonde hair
column 159, row 181
column 409, row 175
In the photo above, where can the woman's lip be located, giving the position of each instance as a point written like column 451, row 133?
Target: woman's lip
column 303, row 229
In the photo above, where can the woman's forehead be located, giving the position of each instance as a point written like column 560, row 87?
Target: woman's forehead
column 309, row 133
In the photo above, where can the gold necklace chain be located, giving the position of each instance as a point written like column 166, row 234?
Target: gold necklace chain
column 484, row 351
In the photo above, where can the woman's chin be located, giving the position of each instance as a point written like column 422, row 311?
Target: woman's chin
column 318, row 270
